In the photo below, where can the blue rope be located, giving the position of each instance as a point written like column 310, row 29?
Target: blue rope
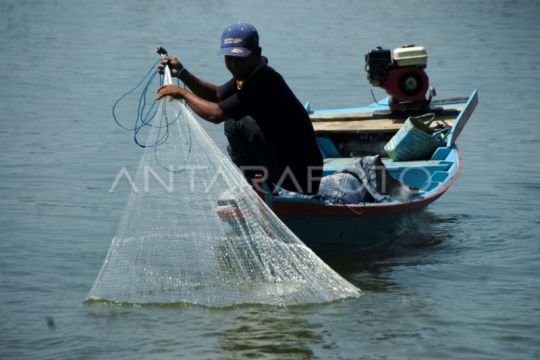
column 149, row 77
column 146, row 114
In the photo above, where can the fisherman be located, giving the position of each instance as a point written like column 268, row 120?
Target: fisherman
column 268, row 129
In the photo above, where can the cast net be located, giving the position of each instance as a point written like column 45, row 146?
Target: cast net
column 194, row 231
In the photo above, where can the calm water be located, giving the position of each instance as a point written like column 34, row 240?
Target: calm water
column 464, row 284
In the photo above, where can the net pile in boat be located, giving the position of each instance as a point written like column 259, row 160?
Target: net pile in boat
column 173, row 245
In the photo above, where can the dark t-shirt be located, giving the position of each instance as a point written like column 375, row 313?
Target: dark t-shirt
column 283, row 120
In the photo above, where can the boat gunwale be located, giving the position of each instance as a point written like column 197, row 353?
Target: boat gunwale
column 288, row 206
column 298, row 207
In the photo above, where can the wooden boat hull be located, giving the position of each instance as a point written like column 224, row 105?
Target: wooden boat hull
column 366, row 228
column 350, row 234
column 370, row 227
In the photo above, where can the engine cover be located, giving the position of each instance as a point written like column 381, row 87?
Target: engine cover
column 408, row 83
column 401, row 73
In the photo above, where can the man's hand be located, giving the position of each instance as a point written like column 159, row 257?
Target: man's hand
column 174, row 65
column 208, row 110
column 171, row 90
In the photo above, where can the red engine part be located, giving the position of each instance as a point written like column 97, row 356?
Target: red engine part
column 406, row 83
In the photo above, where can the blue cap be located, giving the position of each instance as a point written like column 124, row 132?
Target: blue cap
column 239, row 40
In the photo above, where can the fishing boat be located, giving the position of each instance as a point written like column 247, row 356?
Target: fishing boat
column 371, row 226
column 346, row 135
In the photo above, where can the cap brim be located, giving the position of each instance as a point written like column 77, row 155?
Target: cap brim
column 235, row 51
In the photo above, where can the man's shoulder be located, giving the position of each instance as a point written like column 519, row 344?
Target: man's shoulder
column 267, row 76
column 271, row 73
column 226, row 90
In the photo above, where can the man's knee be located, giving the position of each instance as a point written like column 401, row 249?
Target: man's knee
column 229, row 128
column 245, row 127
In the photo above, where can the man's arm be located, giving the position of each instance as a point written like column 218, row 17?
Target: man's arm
column 208, row 110
column 201, row 88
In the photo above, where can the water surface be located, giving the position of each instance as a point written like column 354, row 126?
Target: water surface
column 462, row 284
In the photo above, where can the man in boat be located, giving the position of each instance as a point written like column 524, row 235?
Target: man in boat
column 268, row 129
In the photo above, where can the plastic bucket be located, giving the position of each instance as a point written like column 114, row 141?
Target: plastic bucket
column 414, row 141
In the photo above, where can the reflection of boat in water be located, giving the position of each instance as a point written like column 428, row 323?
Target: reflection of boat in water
column 344, row 135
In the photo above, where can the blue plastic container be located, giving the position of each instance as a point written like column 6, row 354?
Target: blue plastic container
column 415, row 140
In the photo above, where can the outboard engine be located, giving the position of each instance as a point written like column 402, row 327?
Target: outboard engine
column 401, row 73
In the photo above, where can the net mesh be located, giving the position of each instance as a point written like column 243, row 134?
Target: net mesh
column 194, row 231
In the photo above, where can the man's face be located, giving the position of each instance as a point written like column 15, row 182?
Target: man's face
column 240, row 67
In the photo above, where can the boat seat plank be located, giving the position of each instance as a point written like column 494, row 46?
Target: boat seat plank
column 374, row 115
column 367, row 126
column 372, row 122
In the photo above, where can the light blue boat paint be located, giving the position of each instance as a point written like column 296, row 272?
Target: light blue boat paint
column 363, row 233
column 462, row 118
